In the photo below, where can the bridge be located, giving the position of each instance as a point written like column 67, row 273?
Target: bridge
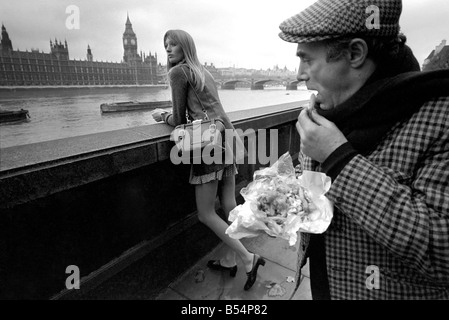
column 258, row 84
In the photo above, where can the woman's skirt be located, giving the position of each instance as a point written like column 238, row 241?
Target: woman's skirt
column 227, row 171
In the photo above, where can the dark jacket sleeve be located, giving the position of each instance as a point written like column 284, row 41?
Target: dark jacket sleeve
column 179, row 89
column 335, row 163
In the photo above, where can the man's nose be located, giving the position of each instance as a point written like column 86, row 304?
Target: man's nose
column 302, row 75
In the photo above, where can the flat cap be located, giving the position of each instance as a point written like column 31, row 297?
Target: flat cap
column 328, row 19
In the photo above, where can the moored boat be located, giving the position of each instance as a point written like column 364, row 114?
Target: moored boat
column 13, row 116
column 133, row 106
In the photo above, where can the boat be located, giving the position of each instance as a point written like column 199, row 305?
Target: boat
column 13, row 116
column 133, row 106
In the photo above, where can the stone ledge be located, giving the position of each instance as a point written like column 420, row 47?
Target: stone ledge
column 37, row 170
column 24, row 157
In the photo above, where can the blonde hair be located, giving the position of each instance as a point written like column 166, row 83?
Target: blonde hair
column 185, row 41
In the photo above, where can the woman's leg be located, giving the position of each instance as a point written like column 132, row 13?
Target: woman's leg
column 227, row 195
column 228, row 203
column 205, row 202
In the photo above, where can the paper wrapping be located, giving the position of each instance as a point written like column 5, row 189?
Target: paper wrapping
column 275, row 203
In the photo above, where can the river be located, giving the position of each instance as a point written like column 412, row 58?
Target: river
column 62, row 113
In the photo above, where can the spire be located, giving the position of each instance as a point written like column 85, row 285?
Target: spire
column 129, row 27
column 89, row 54
column 130, row 43
column 6, row 43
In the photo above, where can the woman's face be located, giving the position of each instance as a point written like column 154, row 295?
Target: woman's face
column 174, row 51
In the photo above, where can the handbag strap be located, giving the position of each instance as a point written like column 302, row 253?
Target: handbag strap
column 202, row 106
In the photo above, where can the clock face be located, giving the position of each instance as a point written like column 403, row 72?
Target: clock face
column 133, row 42
column 125, row 41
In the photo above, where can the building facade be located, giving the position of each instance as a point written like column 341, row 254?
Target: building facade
column 438, row 58
column 34, row 68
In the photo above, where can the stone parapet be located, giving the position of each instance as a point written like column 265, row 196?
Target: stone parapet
column 102, row 201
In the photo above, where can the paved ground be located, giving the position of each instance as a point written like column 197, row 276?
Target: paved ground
column 275, row 280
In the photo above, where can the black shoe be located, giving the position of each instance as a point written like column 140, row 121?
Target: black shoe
column 216, row 265
column 252, row 275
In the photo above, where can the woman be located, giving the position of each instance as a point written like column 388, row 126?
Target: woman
column 190, row 81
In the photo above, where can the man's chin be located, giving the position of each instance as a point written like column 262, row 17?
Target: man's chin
column 320, row 105
column 323, row 106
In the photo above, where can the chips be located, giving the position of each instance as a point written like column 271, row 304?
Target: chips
column 280, row 204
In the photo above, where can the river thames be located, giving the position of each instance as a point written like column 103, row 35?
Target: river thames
column 62, row 113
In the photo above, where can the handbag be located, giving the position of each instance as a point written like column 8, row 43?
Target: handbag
column 199, row 136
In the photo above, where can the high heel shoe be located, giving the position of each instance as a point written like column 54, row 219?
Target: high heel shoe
column 252, row 275
column 216, row 265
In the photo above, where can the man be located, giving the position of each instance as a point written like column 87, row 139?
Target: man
column 380, row 129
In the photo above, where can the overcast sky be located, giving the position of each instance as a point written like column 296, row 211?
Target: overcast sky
column 241, row 33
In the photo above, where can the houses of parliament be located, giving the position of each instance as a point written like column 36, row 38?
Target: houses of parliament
column 34, row 68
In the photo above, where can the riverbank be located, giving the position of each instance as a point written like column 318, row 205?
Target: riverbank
column 56, row 114
column 78, row 87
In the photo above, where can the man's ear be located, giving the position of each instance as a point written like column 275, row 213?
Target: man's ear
column 358, row 52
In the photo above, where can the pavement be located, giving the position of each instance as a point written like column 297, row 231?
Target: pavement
column 275, row 280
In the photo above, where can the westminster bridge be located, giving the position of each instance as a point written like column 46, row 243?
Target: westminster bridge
column 260, row 84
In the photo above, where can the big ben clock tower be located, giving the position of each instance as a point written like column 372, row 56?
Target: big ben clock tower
column 130, row 43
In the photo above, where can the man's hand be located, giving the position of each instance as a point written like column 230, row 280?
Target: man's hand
column 319, row 136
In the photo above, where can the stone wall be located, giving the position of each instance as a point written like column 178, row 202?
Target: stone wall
column 103, row 201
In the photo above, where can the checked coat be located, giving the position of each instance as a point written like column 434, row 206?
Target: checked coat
column 392, row 214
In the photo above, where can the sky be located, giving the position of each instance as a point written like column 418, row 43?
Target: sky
column 239, row 33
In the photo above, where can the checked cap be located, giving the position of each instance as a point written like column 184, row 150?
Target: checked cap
column 328, row 19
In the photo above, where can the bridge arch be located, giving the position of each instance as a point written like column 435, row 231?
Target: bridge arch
column 230, row 85
column 259, row 85
column 293, row 85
